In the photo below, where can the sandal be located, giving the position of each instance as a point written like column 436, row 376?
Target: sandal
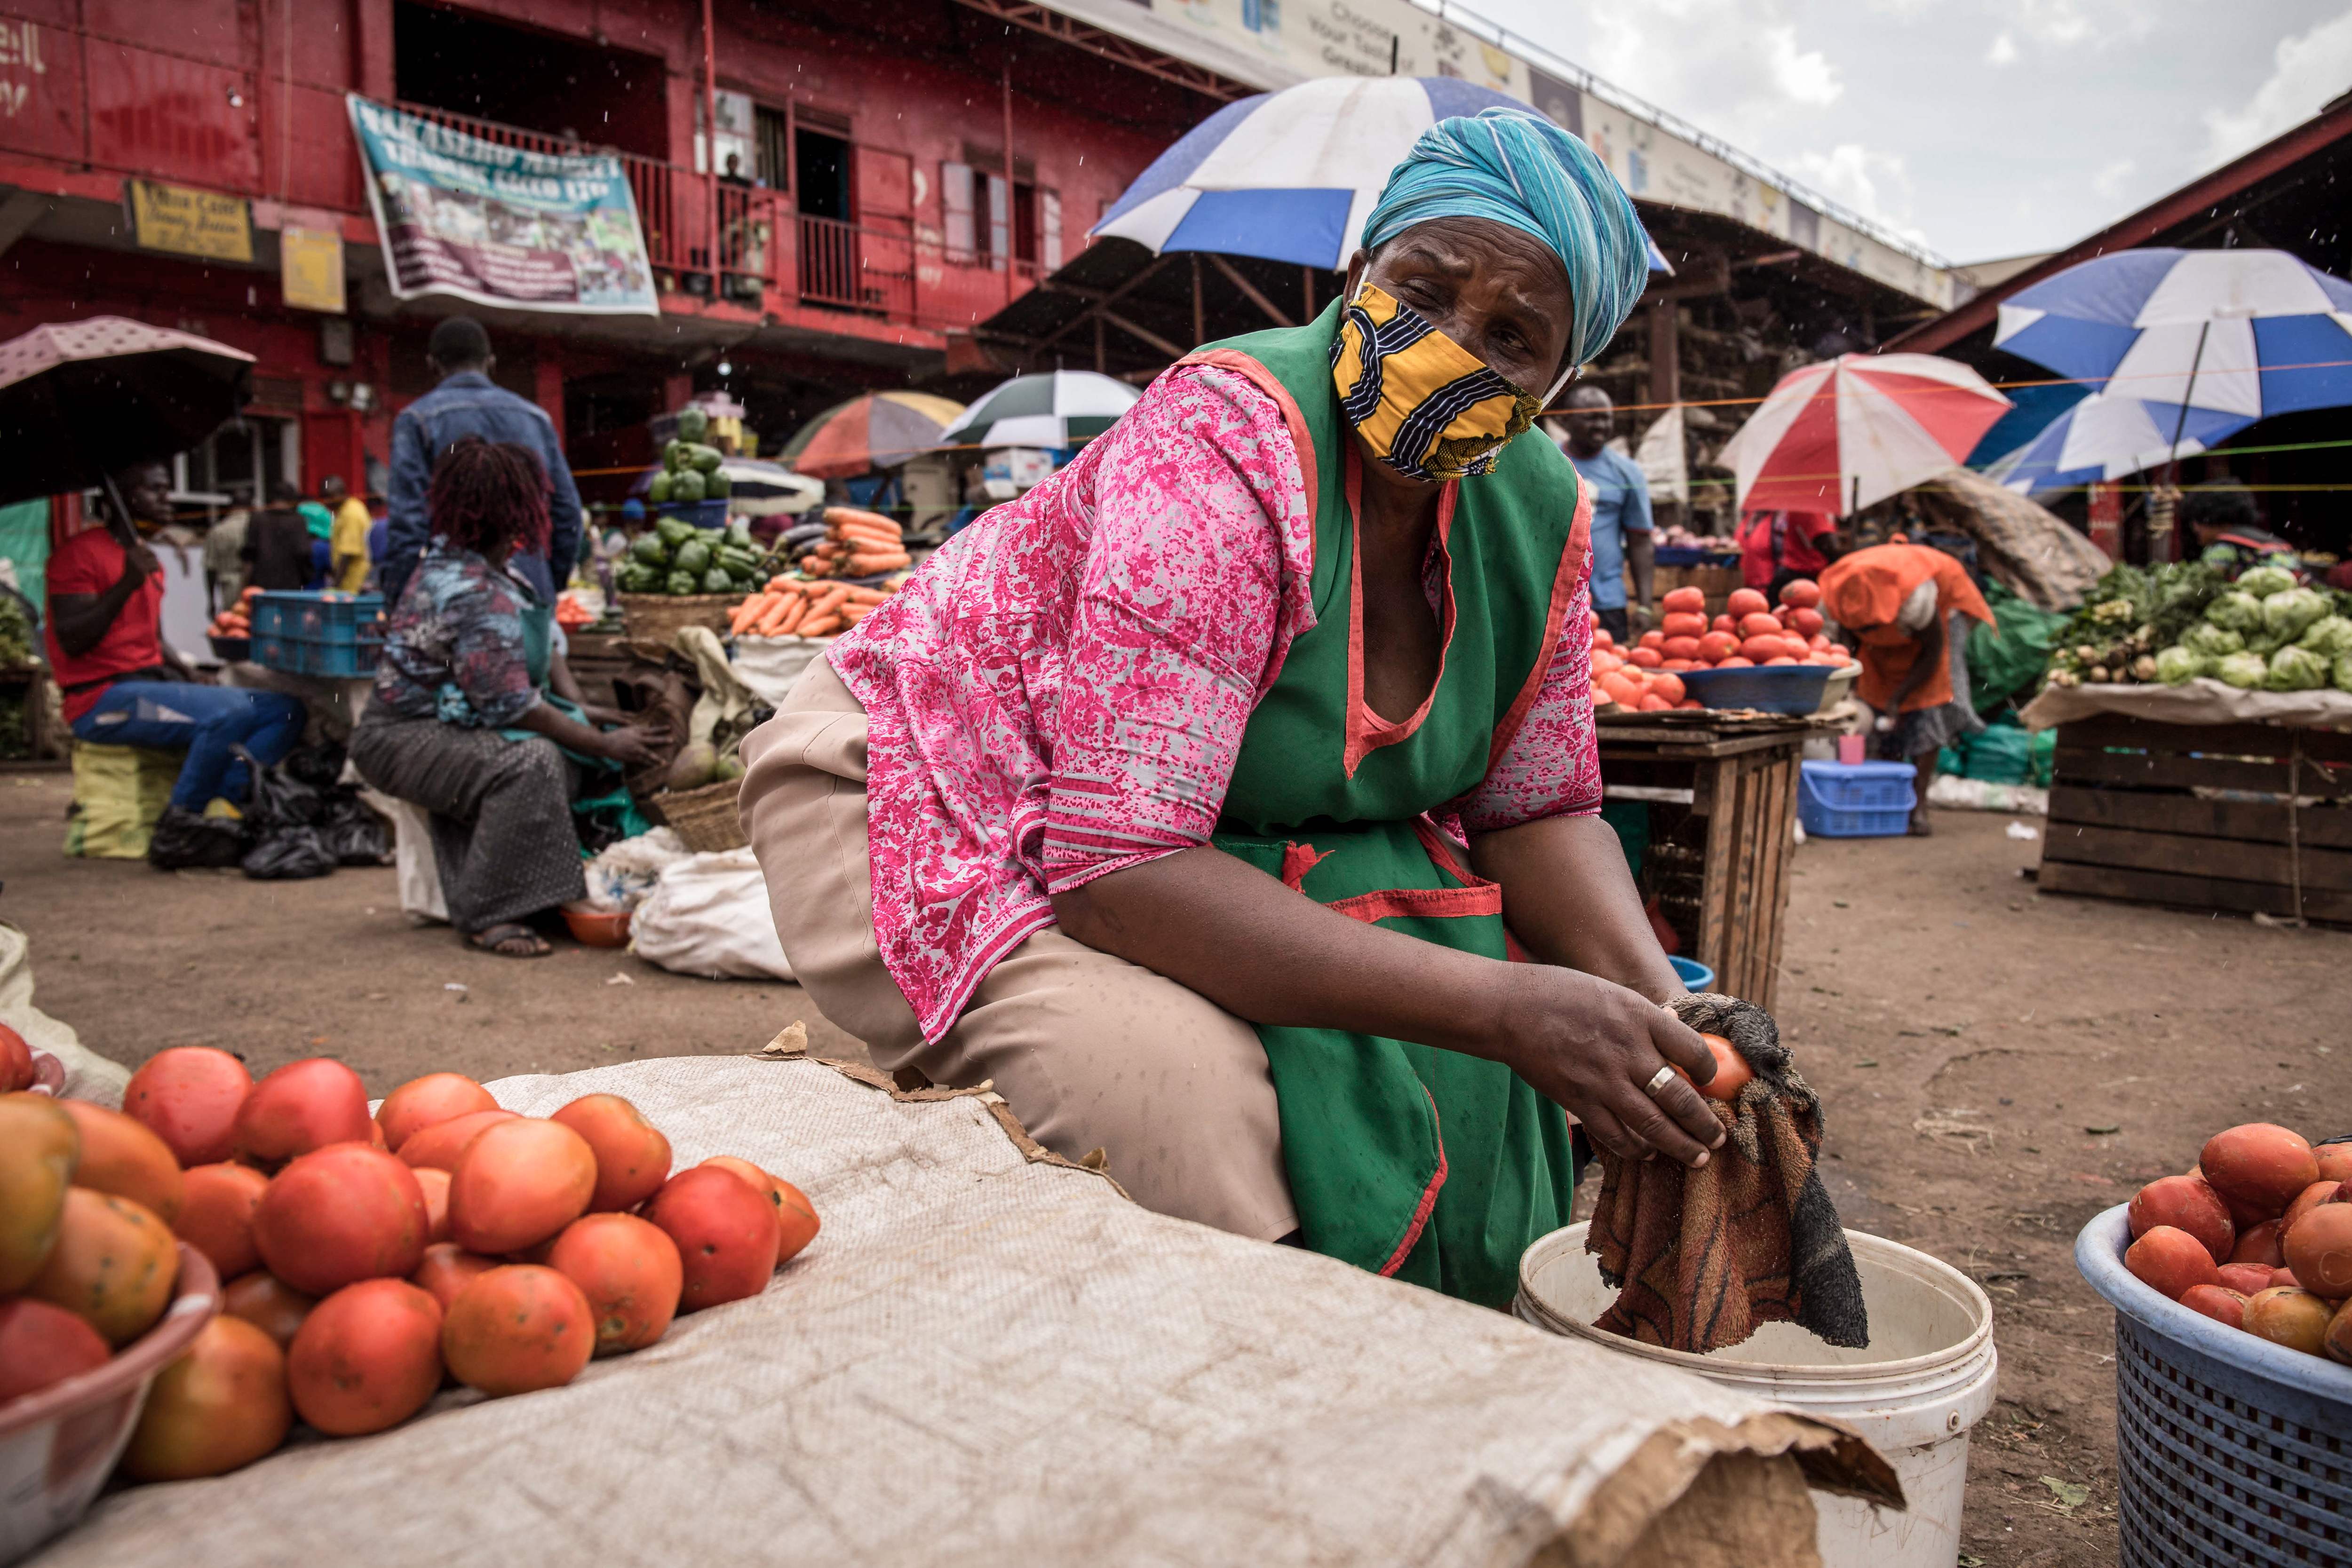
column 510, row 940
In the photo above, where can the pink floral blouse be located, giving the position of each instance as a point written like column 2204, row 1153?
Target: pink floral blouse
column 1061, row 691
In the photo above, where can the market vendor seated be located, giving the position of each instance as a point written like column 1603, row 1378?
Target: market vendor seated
column 1185, row 798
column 123, row 685
column 1908, row 606
column 2228, row 524
column 463, row 722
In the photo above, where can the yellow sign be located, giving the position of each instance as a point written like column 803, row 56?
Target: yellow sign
column 310, row 267
column 190, row 223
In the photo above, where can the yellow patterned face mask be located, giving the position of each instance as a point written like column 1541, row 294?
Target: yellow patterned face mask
column 1428, row 407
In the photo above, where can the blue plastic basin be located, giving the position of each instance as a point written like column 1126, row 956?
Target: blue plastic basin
column 1694, row 975
column 1769, row 688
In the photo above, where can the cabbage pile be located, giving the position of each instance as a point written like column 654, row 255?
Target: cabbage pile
column 2180, row 624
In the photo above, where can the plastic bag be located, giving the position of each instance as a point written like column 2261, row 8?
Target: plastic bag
column 708, row 916
column 284, row 814
column 620, row 877
column 352, row 833
column 183, row 841
column 290, row 854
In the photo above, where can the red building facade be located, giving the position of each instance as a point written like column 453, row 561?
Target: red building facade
column 873, row 207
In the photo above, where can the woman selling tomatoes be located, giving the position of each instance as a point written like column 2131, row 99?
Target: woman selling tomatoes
column 1908, row 606
column 1186, row 798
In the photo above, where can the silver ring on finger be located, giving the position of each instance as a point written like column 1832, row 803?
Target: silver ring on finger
column 1658, row 1080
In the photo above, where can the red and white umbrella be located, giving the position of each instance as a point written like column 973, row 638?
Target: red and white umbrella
column 1836, row 436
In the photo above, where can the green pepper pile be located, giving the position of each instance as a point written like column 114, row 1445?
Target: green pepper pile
column 674, row 557
column 689, row 469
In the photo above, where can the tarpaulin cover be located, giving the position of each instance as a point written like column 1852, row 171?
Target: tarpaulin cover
column 2202, row 700
column 991, row 1357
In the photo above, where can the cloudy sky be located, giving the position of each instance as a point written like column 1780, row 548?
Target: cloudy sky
column 1983, row 128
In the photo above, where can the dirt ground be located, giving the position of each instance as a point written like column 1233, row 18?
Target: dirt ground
column 1997, row 1066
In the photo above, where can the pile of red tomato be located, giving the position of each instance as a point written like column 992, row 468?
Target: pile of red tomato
column 1749, row 632
column 366, row 1258
column 2257, row 1235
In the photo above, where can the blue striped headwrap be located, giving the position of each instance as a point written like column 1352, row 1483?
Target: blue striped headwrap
column 1516, row 168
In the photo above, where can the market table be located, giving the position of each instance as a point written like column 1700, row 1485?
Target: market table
column 989, row 1356
column 1721, row 788
column 2201, row 796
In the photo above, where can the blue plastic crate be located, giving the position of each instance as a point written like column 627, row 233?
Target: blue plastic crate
column 332, row 634
column 1856, row 799
column 2230, row 1449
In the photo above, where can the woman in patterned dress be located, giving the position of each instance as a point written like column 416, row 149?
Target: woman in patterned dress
column 1185, row 797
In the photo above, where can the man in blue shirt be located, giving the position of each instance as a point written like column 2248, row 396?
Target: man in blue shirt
column 467, row 402
column 1620, row 513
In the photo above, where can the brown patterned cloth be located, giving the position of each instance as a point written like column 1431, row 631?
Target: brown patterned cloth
column 1701, row 1257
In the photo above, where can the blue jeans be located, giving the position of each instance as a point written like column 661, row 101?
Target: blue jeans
column 207, row 720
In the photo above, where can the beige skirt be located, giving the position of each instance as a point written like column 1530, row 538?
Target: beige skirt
column 1091, row 1052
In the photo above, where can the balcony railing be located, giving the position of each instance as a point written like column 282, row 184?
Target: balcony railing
column 770, row 257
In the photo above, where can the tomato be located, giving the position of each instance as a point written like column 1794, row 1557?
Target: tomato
column 303, row 1105
column 1729, row 623
column 1806, row 622
column 631, row 1153
column 1602, row 639
column 1684, row 599
column 2337, row 1342
column 1653, row 702
column 1664, row 684
column 114, row 1263
column 1759, row 623
column 1682, row 625
column 1648, row 658
column 41, row 1343
column 340, row 1214
column 726, row 1231
column 1732, row 1072
column 2319, row 1249
column 1652, row 639
column 422, row 1101
column 1757, row 650
column 2335, row 1161
column 2186, row 1203
column 517, row 1329
column 2311, row 1198
column 2169, row 1260
column 448, row 1269
column 1681, row 647
column 366, row 1358
column 1678, row 665
column 1717, row 645
column 1748, row 602
column 2258, row 1168
column 219, row 1407
column 1735, row 662
column 442, row 1145
column 16, row 1061
column 629, row 1270
column 40, row 1144
column 796, row 1220
column 123, row 1157
column 2219, row 1303
column 2247, row 1277
column 1620, row 690
column 2294, row 1318
column 1800, row 591
column 268, row 1304
column 217, row 1220
column 2259, row 1244
column 519, row 1183
column 189, row 1097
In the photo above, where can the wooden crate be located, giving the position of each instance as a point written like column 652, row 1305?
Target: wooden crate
column 1717, row 583
column 2198, row 816
column 1723, row 801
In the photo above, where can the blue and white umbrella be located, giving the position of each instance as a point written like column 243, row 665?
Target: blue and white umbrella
column 1291, row 175
column 2244, row 332
column 2106, row 436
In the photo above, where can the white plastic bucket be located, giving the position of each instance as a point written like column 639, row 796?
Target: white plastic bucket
column 1926, row 1379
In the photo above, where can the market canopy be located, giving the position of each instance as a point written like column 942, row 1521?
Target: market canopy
column 880, row 430
column 1291, row 175
column 1055, row 409
column 2108, row 435
column 1836, row 436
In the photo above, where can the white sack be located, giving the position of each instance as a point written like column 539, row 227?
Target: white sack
column 416, row 870
column 89, row 1076
column 770, row 665
column 708, row 916
column 985, row 1359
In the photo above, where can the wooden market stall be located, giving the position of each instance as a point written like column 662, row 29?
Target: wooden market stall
column 1721, row 793
column 2248, row 818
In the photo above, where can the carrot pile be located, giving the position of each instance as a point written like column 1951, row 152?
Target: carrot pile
column 236, row 621
column 857, row 544
column 792, row 607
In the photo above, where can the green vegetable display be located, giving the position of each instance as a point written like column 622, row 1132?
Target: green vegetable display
column 657, row 492
column 683, row 582
column 694, row 557
column 2177, row 623
column 2330, row 635
column 2239, row 611
column 686, row 486
column 2297, row 670
column 715, row 580
column 675, row 531
column 2247, row 672
column 648, row 549
column 2177, row 666
column 2291, row 613
column 693, row 424
column 2212, row 641
column 2262, row 581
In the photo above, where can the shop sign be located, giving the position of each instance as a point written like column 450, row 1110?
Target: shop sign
column 310, row 267
column 501, row 225
column 184, row 221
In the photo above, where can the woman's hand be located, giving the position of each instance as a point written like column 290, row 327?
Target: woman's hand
column 632, row 746
column 1592, row 1046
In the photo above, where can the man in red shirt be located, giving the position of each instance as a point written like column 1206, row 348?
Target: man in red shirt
column 1776, row 547
column 123, row 686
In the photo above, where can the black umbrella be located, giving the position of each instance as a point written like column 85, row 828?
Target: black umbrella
column 80, row 400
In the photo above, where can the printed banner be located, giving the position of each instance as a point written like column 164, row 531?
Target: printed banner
column 501, row 225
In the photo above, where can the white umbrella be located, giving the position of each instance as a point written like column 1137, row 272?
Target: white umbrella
column 1053, row 409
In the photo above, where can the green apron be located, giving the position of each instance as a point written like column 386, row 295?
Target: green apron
column 603, row 799
column 1426, row 1165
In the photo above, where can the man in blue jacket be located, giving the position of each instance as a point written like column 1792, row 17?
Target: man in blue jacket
column 467, row 402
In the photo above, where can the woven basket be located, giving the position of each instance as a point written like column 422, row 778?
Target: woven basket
column 704, row 819
column 651, row 620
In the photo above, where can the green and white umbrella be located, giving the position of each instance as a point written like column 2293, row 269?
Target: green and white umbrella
column 1059, row 408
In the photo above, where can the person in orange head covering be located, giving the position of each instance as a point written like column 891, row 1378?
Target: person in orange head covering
column 1905, row 603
